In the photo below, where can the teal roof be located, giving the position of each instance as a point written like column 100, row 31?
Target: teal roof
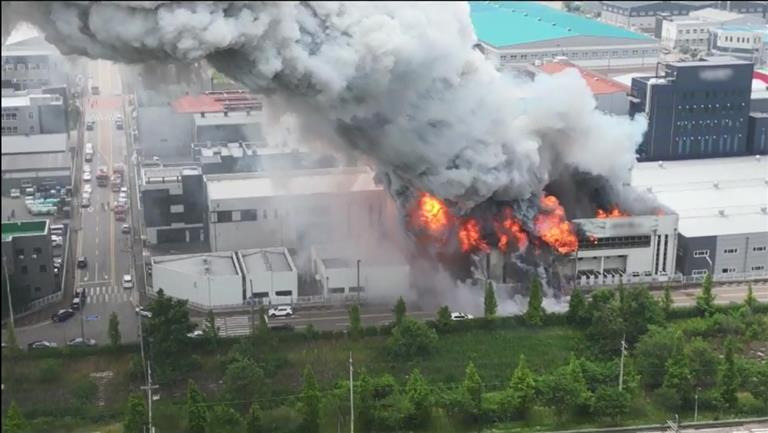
column 513, row 23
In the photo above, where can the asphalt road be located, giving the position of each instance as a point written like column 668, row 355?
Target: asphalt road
column 724, row 293
column 748, row 428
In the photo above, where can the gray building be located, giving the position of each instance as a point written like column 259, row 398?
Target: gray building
column 757, row 137
column 641, row 15
column 32, row 63
column 28, row 259
column 163, row 132
column 723, row 208
column 30, row 114
column 173, row 203
column 229, row 126
column 35, row 160
column 694, row 109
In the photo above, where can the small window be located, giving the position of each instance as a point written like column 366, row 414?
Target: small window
column 336, row 290
column 31, row 115
column 37, row 289
column 24, row 270
column 758, row 268
column 283, row 293
column 729, row 270
column 37, row 250
column 730, row 251
column 43, row 268
column 701, row 253
column 224, row 216
column 699, row 272
column 20, row 251
column 759, row 249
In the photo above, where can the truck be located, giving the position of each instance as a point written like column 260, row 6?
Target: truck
column 116, row 182
column 102, row 176
column 120, row 212
column 88, row 152
column 118, row 169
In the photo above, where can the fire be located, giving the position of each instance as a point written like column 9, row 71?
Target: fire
column 431, row 214
column 615, row 212
column 511, row 227
column 553, row 227
column 470, row 236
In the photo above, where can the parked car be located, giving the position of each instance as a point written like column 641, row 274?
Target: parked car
column 42, row 344
column 57, row 241
column 87, row 188
column 15, row 193
column 81, row 342
column 127, row 281
column 86, row 167
column 126, row 228
column 86, row 201
column 81, row 293
column 281, row 311
column 82, row 262
column 124, row 190
column 143, row 313
column 196, row 334
column 57, row 261
column 87, row 176
column 77, row 303
column 461, row 316
column 62, row 315
column 89, row 125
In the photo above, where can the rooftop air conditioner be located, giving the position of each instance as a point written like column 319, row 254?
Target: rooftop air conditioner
column 661, row 164
column 716, row 184
column 721, row 212
column 764, row 209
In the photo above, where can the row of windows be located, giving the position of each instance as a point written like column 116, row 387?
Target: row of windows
column 8, row 116
column 24, row 270
column 11, row 130
column 705, row 253
column 266, row 294
column 707, row 145
column 35, row 251
column 714, row 94
column 742, row 40
column 577, row 55
column 728, row 270
column 244, row 215
column 24, row 66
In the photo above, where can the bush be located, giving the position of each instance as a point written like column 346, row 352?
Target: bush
column 50, row 370
column 412, row 339
column 84, row 391
column 281, row 420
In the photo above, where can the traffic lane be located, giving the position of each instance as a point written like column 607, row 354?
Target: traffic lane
column 724, row 294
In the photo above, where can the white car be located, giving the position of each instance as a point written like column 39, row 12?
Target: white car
column 87, row 176
column 196, row 334
column 15, row 193
column 57, row 241
column 281, row 311
column 86, row 168
column 124, row 190
column 42, row 344
column 127, row 281
column 87, row 188
column 143, row 313
column 461, row 316
column 81, row 342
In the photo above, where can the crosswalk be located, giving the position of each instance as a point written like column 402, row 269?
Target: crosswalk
column 234, row 325
column 107, row 295
column 102, row 116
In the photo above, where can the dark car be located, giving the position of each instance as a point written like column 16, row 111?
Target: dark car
column 89, row 125
column 82, row 262
column 62, row 315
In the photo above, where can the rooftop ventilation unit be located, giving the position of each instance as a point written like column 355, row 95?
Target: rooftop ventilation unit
column 661, row 164
column 649, row 189
column 721, row 212
column 716, row 184
column 764, row 209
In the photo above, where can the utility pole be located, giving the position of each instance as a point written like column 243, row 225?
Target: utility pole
column 149, row 389
column 82, row 322
column 351, row 398
column 621, row 368
column 8, row 290
column 696, row 405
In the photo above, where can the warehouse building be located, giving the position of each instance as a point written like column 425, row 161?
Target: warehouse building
column 31, row 114
column 514, row 33
column 173, row 204
column 32, row 63
column 269, row 275
column 693, row 31
column 246, row 156
column 744, row 42
column 206, row 280
column 694, row 109
column 28, row 259
column 722, row 204
column 611, row 96
column 41, row 161
column 296, row 209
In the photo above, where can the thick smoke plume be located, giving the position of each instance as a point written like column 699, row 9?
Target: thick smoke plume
column 400, row 84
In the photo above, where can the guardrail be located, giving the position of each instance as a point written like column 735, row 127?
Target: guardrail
column 37, row 305
column 318, row 301
column 674, row 280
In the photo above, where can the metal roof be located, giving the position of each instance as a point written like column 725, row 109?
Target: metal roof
column 24, row 228
column 718, row 196
column 217, row 264
column 267, row 260
column 35, row 161
column 232, row 118
column 512, row 23
column 38, row 143
column 598, row 84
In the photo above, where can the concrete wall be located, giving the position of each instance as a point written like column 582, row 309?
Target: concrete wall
column 224, row 289
column 687, row 262
column 613, row 103
column 736, row 253
column 267, row 284
column 31, row 272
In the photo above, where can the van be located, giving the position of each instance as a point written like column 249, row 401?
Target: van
column 57, row 229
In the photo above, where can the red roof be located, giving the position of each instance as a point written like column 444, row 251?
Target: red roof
column 760, row 75
column 599, row 84
column 218, row 101
column 197, row 104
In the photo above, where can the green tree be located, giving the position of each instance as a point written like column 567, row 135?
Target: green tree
column 750, row 301
column 522, row 388
column 577, row 309
column 135, row 415
column 223, row 419
column 243, row 379
column 418, row 396
column 412, row 339
column 639, row 310
column 444, row 317
column 211, row 330
column 472, row 387
column 490, row 301
column 606, row 331
column 652, row 353
column 729, row 377
column 113, row 329
column 310, row 399
column 253, row 421
column 757, row 382
column 197, row 413
column 610, row 403
column 678, row 381
column 535, row 311
column 14, row 421
column 355, row 326
column 705, row 302
column 703, row 362
column 565, row 389
column 399, row 311
column 167, row 330
column 666, row 301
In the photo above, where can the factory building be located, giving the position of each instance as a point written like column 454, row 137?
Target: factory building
column 610, row 95
column 515, row 33
column 744, row 42
column 694, row 31
column 722, row 204
column 245, row 156
column 342, row 270
column 269, row 275
column 31, row 114
column 28, row 260
column 694, row 109
column 629, row 249
column 296, row 209
column 32, row 63
column 35, row 161
column 173, row 204
column 228, row 126
column 206, row 280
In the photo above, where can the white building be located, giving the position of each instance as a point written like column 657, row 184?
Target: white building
column 32, row 114
column 228, row 126
column 693, row 31
column 627, row 249
column 744, row 42
column 207, row 280
column 383, row 273
column 296, row 209
column 270, row 275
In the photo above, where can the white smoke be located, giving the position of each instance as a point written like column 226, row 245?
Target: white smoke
column 399, row 83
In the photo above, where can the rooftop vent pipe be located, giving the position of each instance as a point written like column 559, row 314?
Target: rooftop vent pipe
column 661, row 164
column 721, row 212
column 764, row 209
column 716, row 184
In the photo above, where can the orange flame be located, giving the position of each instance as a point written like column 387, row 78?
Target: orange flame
column 615, row 212
column 553, row 227
column 470, row 237
column 431, row 214
column 511, row 227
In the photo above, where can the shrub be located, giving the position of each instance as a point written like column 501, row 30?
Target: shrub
column 50, row 370
column 412, row 339
column 84, row 391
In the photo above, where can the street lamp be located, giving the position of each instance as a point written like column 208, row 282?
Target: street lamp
column 358, row 280
column 8, row 290
column 696, row 405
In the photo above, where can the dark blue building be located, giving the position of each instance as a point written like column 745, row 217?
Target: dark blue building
column 695, row 109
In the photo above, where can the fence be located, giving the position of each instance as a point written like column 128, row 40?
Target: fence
column 675, row 280
column 38, row 304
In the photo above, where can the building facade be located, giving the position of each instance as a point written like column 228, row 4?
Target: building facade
column 32, row 64
column 208, row 280
column 28, row 259
column 173, row 204
column 747, row 42
column 33, row 114
column 269, row 275
column 694, row 109
column 641, row 15
column 35, row 160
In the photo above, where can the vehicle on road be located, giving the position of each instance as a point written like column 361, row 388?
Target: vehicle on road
column 102, row 176
column 89, row 125
column 143, row 313
column 82, row 262
column 119, row 169
column 80, row 293
column 57, row 261
column 88, row 152
column 125, row 229
column 87, row 176
column 57, row 229
column 42, row 344
column 86, row 200
column 123, row 197
column 57, row 241
column 196, row 334
column 62, row 315
column 81, row 342
column 124, row 190
column 461, row 316
column 87, row 167
column 127, row 281
column 77, row 304
column 15, row 193
column 116, row 182
column 281, row 311
column 87, row 188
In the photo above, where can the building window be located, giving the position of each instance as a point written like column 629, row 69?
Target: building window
column 37, row 289
column 43, row 268
column 759, row 249
column 19, row 252
column 24, row 270
column 249, row 215
column 224, row 216
column 264, row 215
column 701, row 253
column 699, row 272
column 283, row 293
column 31, row 115
column 729, row 270
column 758, row 268
column 336, row 290
column 37, row 250
column 730, row 251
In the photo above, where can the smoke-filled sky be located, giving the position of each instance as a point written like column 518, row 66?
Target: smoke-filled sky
column 400, row 83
